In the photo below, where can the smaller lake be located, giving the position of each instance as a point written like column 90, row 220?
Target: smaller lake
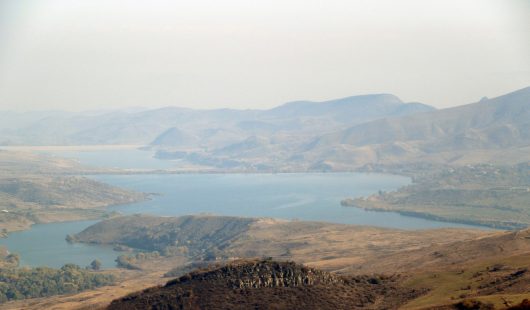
column 45, row 245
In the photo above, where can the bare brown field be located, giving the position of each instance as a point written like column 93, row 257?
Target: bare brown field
column 337, row 247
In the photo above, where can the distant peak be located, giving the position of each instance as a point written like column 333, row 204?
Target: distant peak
column 357, row 99
column 383, row 97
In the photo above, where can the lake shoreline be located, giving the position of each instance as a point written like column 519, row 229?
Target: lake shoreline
column 424, row 215
column 95, row 214
column 305, row 196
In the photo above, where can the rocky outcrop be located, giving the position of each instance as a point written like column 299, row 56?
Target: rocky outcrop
column 263, row 273
column 267, row 284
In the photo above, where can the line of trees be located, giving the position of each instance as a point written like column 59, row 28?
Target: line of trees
column 21, row 283
column 129, row 261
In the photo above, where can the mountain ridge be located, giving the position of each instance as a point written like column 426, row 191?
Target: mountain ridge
column 497, row 123
column 144, row 126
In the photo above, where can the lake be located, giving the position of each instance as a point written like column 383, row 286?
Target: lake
column 302, row 196
column 45, row 245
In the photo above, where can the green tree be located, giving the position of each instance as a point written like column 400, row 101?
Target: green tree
column 95, row 264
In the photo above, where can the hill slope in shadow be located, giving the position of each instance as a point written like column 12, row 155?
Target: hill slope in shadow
column 267, row 284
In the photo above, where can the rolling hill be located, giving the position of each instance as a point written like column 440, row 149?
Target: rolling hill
column 471, row 133
column 354, row 109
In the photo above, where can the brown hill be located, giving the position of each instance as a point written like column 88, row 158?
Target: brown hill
column 266, row 284
column 492, row 270
column 463, row 134
column 491, row 249
column 38, row 188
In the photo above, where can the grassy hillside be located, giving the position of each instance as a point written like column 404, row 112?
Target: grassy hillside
column 218, row 238
column 441, row 270
column 38, row 189
column 192, row 235
column 491, row 271
column 495, row 196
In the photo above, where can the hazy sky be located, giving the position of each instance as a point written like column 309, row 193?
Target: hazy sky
column 79, row 55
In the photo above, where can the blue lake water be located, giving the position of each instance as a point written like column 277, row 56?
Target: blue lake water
column 302, row 196
column 45, row 245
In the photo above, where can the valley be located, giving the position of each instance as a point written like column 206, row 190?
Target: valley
column 414, row 213
column 266, row 155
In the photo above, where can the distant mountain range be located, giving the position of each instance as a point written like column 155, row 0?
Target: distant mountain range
column 173, row 126
column 340, row 134
column 477, row 131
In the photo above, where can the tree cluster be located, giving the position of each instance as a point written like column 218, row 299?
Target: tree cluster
column 21, row 283
column 129, row 261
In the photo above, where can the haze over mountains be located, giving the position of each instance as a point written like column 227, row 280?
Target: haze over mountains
column 335, row 135
column 123, row 126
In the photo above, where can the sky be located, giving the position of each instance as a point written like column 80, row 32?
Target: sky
column 92, row 54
